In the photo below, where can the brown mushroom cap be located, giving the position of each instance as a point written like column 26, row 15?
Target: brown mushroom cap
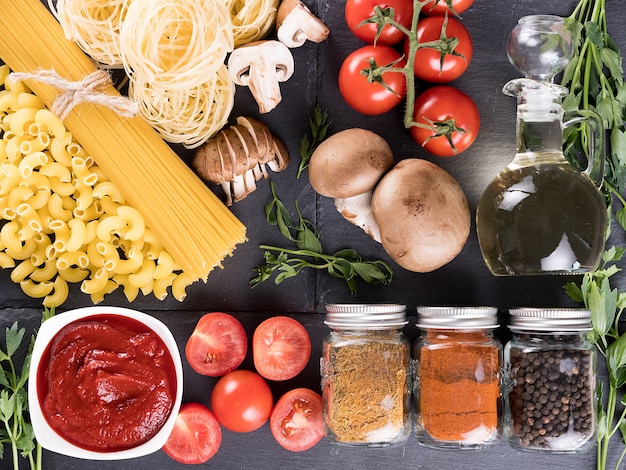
column 349, row 163
column 422, row 213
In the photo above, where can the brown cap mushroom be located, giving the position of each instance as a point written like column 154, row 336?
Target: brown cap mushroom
column 261, row 65
column 295, row 24
column 346, row 166
column 422, row 213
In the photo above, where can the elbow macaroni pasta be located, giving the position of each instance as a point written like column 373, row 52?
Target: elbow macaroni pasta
column 62, row 221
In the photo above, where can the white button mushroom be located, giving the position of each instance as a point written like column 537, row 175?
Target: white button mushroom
column 422, row 213
column 260, row 66
column 346, row 166
column 296, row 24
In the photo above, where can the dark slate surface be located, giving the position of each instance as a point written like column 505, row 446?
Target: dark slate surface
column 465, row 281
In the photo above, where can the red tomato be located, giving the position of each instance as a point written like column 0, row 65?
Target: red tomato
column 440, row 7
column 440, row 104
column 428, row 64
column 196, row 436
column 281, row 348
column 217, row 345
column 371, row 97
column 358, row 11
column 296, row 422
column 242, row 401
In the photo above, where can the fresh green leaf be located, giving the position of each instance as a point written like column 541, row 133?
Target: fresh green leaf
column 319, row 125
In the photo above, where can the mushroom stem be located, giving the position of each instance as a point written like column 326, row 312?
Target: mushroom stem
column 358, row 211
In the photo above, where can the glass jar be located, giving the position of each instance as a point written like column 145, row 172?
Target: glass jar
column 365, row 369
column 551, row 403
column 457, row 387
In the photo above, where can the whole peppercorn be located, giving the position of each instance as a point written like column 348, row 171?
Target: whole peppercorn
column 551, row 384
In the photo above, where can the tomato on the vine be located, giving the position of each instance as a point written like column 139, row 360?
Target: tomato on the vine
column 296, row 421
column 429, row 65
column 196, row 436
column 379, row 93
column 217, row 345
column 441, row 7
column 242, row 401
column 454, row 114
column 357, row 11
column 281, row 348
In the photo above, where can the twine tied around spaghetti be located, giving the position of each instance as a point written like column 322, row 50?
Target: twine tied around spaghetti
column 88, row 90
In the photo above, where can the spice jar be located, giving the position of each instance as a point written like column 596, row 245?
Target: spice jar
column 365, row 375
column 551, row 402
column 457, row 386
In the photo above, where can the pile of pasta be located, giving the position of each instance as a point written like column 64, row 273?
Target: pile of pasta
column 62, row 220
column 173, row 52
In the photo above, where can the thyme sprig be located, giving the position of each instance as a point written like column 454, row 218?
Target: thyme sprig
column 15, row 427
column 345, row 264
column 318, row 124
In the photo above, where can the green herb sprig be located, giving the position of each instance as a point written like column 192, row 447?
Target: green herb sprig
column 15, row 428
column 345, row 264
column 319, row 124
column 606, row 305
column 595, row 81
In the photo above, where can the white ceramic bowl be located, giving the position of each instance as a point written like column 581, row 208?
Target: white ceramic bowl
column 48, row 437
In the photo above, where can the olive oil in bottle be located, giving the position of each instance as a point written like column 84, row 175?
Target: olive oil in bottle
column 540, row 214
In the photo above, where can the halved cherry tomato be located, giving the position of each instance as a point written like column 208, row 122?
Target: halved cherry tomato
column 372, row 97
column 296, row 422
column 242, row 401
column 281, row 348
column 445, row 105
column 217, row 345
column 358, row 11
column 441, row 7
column 456, row 58
column 196, row 436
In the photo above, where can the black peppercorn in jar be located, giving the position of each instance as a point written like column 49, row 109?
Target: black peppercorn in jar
column 552, row 381
column 365, row 369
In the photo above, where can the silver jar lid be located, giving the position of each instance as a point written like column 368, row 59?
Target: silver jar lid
column 370, row 316
column 457, row 318
column 550, row 319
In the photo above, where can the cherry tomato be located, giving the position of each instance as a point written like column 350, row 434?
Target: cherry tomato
column 441, row 7
column 359, row 10
column 296, row 421
column 196, row 436
column 281, row 348
column 242, row 401
column 217, row 345
column 457, row 58
column 445, row 103
column 371, row 97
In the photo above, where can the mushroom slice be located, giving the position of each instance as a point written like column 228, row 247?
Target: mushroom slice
column 261, row 65
column 248, row 145
column 295, row 24
column 256, row 130
column 281, row 156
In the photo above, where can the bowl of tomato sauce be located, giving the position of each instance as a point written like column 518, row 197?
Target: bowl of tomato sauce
column 105, row 383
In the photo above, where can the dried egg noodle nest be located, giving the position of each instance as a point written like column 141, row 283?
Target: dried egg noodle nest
column 252, row 20
column 94, row 25
column 201, row 111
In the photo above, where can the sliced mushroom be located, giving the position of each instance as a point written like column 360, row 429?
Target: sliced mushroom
column 347, row 166
column 296, row 24
column 237, row 156
column 261, row 66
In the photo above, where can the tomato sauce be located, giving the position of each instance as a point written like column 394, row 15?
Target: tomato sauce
column 107, row 383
